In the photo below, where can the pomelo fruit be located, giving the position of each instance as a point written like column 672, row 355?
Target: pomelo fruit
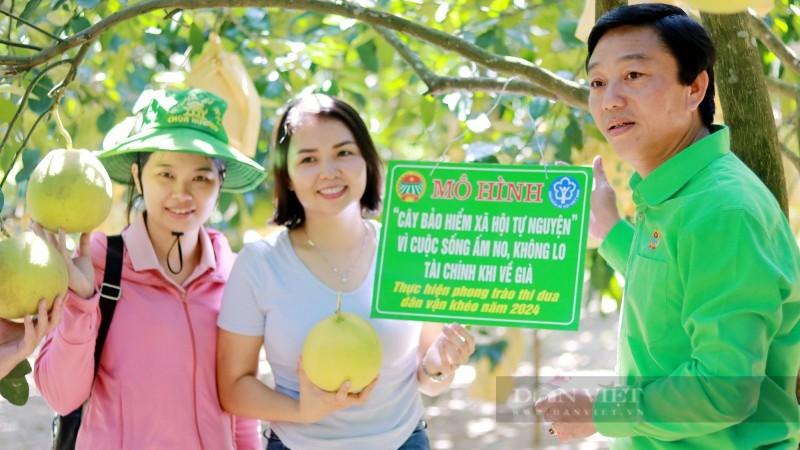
column 32, row 270
column 342, row 347
column 69, row 189
column 731, row 6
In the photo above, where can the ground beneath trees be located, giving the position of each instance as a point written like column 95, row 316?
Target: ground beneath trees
column 455, row 421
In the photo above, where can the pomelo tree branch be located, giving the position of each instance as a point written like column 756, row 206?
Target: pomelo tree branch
column 19, row 45
column 728, row 30
column 562, row 90
column 793, row 157
column 438, row 85
column 31, row 25
column 56, row 93
column 759, row 29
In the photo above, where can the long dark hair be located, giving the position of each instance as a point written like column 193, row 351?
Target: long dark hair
column 288, row 210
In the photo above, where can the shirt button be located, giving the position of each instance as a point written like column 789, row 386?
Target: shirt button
column 640, row 216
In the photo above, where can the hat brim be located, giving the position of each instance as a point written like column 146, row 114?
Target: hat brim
column 242, row 173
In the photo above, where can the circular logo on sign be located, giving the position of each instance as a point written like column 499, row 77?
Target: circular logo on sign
column 410, row 186
column 564, row 192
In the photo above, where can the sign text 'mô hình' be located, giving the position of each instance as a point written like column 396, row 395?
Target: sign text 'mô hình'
column 483, row 244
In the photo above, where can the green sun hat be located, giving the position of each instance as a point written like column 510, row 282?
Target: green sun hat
column 188, row 121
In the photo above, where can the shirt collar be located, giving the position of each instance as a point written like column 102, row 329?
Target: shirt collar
column 674, row 173
column 143, row 255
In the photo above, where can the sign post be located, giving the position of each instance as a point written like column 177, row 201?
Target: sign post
column 483, row 244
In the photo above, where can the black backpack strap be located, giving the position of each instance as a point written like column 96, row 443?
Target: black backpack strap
column 65, row 428
column 110, row 292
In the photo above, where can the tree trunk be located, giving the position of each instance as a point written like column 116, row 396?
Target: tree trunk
column 603, row 6
column 745, row 102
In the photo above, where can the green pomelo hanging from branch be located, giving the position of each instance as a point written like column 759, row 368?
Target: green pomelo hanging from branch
column 69, row 189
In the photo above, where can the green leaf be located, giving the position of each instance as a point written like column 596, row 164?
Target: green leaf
column 162, row 57
column 330, row 87
column 493, row 351
column 601, row 273
column 573, row 138
column 105, row 121
column 112, row 42
column 564, row 151
column 573, row 134
column 538, row 106
column 21, row 369
column 79, row 24
column 30, row 9
column 234, row 221
column 15, row 390
column 7, row 110
column 500, row 46
column 14, row 387
column 2, row 200
column 258, row 19
column 428, row 110
column 88, row 4
column 486, row 40
column 566, row 28
column 489, row 159
column 196, row 39
column 30, row 158
column 367, row 52
column 360, row 100
column 41, row 102
column 225, row 200
column 6, row 156
column 274, row 89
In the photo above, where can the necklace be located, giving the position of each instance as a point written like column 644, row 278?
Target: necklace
column 343, row 274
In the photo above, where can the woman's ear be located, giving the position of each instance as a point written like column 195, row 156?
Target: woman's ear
column 135, row 173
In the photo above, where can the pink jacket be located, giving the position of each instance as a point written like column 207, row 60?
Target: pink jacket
column 156, row 385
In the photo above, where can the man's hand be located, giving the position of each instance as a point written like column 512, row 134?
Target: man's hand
column 19, row 340
column 604, row 214
column 570, row 413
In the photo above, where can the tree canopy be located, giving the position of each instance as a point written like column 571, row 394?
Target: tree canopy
column 495, row 81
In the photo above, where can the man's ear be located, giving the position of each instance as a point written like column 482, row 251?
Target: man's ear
column 697, row 91
column 135, row 173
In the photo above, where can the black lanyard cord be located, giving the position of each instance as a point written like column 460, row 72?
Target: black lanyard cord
column 177, row 235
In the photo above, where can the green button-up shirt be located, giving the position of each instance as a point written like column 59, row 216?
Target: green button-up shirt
column 709, row 342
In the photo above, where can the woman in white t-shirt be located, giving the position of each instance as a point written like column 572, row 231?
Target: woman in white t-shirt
column 327, row 175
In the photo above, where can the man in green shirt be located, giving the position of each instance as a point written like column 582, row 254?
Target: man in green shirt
column 709, row 343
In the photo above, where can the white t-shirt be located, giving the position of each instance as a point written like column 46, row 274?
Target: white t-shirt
column 271, row 292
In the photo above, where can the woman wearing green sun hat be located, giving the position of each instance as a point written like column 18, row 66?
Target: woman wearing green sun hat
column 155, row 387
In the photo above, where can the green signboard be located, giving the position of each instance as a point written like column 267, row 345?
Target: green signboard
column 483, row 244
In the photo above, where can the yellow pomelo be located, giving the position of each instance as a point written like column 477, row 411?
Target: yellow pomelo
column 69, row 189
column 731, row 6
column 342, row 347
column 761, row 7
column 32, row 270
